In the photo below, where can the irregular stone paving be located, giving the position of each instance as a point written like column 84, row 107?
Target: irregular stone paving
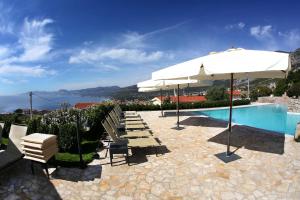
column 269, row 168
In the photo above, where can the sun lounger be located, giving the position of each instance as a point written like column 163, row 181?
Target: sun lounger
column 13, row 151
column 127, row 133
column 129, row 121
column 126, row 125
column 126, row 114
column 1, row 129
column 131, row 143
column 130, row 118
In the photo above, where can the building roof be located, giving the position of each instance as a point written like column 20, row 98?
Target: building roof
column 235, row 92
column 84, row 105
column 185, row 99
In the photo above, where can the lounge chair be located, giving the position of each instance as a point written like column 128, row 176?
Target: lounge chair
column 126, row 114
column 126, row 118
column 127, row 125
column 131, row 143
column 13, row 151
column 127, row 133
column 137, row 120
column 1, row 129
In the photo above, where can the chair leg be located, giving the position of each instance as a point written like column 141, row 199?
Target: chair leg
column 32, row 167
column 111, row 157
column 46, row 168
column 127, row 158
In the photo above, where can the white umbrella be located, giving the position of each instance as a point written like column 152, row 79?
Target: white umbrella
column 230, row 64
column 155, row 85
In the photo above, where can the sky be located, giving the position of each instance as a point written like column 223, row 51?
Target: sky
column 72, row 44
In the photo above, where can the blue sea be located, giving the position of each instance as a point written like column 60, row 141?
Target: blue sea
column 42, row 102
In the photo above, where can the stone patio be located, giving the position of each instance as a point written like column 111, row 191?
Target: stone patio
column 186, row 168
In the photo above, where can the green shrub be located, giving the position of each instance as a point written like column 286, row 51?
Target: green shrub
column 294, row 90
column 67, row 137
column 172, row 106
column 260, row 91
column 217, row 94
column 281, row 87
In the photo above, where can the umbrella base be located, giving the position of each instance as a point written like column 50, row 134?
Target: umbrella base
column 227, row 158
column 178, row 128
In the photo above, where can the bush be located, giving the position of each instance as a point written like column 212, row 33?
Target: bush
column 260, row 91
column 281, row 87
column 172, row 106
column 217, row 94
column 67, row 137
column 294, row 90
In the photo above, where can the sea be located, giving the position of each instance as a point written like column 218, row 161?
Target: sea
column 42, row 102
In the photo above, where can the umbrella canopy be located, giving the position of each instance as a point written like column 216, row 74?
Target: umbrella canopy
column 171, row 84
column 217, row 66
column 230, row 64
column 148, row 89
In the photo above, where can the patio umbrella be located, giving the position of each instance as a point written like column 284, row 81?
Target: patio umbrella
column 155, row 85
column 230, row 64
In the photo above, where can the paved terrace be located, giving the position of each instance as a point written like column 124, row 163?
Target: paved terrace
column 269, row 168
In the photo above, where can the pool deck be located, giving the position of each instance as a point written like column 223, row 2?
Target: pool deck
column 187, row 168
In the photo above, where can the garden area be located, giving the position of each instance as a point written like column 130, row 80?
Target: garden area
column 66, row 123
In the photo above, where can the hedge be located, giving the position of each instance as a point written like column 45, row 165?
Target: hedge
column 172, row 106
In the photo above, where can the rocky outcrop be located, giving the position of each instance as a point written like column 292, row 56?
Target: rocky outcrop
column 292, row 104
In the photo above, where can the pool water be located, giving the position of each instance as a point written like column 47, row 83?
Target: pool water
column 269, row 117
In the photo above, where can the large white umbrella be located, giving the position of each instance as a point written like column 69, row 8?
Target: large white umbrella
column 155, row 85
column 230, row 64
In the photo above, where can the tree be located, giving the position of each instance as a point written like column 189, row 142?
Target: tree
column 18, row 111
column 260, row 91
column 281, row 87
column 216, row 94
column 294, row 90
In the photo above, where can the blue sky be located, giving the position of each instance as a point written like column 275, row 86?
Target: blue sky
column 70, row 44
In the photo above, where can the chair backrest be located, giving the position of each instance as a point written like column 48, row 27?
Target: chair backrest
column 1, row 130
column 113, row 126
column 118, row 108
column 114, row 118
column 118, row 113
column 109, row 130
column 15, row 138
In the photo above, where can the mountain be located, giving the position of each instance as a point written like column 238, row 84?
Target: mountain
column 295, row 59
column 88, row 92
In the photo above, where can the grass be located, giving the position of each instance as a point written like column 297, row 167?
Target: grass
column 72, row 159
column 5, row 141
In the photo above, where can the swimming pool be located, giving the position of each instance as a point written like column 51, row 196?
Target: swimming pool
column 269, row 117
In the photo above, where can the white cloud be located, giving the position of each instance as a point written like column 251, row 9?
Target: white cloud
column 35, row 39
column 4, row 51
column 121, row 55
column 6, row 25
column 291, row 38
column 18, row 70
column 239, row 25
column 261, row 32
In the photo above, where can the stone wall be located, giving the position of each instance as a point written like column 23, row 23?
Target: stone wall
column 292, row 104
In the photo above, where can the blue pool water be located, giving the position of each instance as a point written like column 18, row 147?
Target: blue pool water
column 268, row 117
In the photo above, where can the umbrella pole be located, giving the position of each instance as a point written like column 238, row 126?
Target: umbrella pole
column 228, row 153
column 177, row 106
column 161, row 100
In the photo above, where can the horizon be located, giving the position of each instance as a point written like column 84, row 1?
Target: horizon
column 70, row 45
